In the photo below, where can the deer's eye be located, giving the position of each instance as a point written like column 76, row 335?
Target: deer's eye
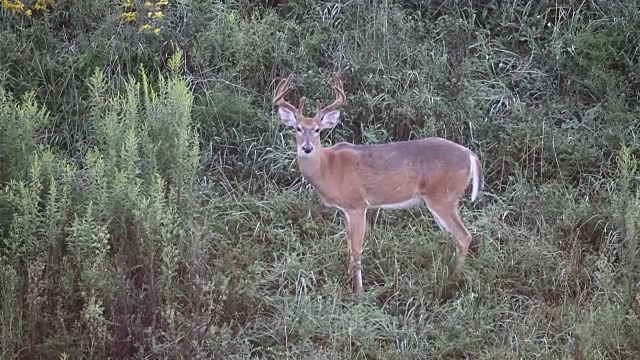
column 317, row 130
column 298, row 129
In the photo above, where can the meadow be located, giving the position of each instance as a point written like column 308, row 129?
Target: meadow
column 152, row 206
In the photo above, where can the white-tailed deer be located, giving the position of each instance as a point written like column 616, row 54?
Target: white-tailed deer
column 355, row 178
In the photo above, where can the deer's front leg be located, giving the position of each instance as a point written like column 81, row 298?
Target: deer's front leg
column 356, row 225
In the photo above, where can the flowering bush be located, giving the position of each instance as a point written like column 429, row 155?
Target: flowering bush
column 148, row 14
column 27, row 8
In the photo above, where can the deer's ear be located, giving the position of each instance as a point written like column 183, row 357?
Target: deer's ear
column 287, row 116
column 330, row 119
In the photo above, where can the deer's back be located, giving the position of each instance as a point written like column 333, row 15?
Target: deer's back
column 396, row 173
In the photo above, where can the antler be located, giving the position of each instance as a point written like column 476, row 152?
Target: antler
column 283, row 88
column 338, row 88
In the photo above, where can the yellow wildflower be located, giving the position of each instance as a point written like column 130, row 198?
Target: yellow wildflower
column 42, row 4
column 157, row 15
column 148, row 4
column 28, row 13
column 13, row 6
column 129, row 16
column 146, row 27
column 162, row 2
column 156, row 31
column 127, row 3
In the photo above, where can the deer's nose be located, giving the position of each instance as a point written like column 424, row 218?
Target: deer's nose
column 307, row 148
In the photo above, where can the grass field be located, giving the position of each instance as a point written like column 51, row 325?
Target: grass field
column 152, row 206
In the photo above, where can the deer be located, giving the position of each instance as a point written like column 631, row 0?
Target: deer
column 354, row 178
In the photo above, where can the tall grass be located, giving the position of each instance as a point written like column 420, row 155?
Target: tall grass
column 152, row 206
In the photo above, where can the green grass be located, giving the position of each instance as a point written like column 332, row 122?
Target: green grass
column 152, row 207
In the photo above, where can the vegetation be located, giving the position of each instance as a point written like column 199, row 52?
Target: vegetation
column 151, row 205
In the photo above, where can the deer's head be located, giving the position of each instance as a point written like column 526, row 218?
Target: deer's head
column 308, row 128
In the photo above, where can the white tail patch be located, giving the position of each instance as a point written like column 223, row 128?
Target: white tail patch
column 474, row 174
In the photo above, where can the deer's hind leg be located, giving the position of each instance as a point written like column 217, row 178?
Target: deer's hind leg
column 447, row 216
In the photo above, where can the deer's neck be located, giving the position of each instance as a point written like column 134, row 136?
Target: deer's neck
column 315, row 171
column 320, row 171
column 311, row 167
